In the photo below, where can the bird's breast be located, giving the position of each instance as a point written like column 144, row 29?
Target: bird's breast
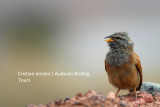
column 117, row 58
column 124, row 76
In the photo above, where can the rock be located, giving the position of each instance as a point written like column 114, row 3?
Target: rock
column 50, row 104
column 150, row 87
column 147, row 97
column 78, row 96
column 143, row 98
column 70, row 101
column 41, row 105
column 122, row 104
column 31, row 105
column 91, row 98
column 90, row 93
column 58, row 102
column 67, row 98
column 111, row 95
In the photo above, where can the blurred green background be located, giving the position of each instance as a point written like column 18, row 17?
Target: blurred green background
column 68, row 36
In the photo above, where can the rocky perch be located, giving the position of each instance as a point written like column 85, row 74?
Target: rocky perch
column 92, row 99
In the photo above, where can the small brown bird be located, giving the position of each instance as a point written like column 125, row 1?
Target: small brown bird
column 122, row 64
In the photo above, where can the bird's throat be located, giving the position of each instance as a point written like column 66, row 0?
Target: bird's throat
column 117, row 57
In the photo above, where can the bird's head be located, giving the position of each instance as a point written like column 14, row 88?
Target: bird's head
column 119, row 40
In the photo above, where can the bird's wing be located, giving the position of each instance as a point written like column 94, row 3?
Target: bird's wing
column 139, row 69
column 105, row 64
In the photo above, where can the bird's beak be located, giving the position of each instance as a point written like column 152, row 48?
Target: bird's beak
column 108, row 39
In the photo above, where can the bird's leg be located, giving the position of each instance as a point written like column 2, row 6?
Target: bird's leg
column 131, row 92
column 117, row 92
column 135, row 94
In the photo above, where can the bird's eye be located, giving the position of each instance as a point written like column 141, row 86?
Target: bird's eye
column 117, row 38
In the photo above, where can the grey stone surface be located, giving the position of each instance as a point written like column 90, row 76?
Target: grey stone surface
column 150, row 87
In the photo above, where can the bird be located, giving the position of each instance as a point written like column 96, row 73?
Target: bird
column 122, row 64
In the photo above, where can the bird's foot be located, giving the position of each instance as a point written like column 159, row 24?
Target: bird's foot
column 134, row 95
